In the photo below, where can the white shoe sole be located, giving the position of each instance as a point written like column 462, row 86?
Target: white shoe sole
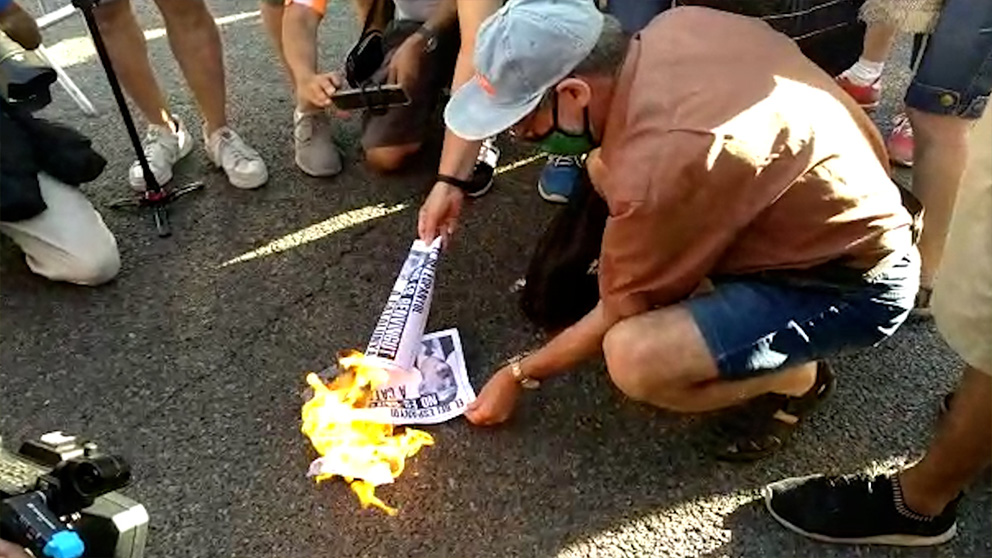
column 138, row 183
column 892, row 540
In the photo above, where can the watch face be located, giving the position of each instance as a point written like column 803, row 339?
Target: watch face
column 530, row 383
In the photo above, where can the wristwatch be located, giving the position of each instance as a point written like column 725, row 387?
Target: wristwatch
column 430, row 37
column 522, row 378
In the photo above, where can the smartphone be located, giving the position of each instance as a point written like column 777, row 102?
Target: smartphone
column 374, row 97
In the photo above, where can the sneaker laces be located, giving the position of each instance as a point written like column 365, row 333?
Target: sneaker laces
column 565, row 160
column 312, row 123
column 231, row 143
column 902, row 125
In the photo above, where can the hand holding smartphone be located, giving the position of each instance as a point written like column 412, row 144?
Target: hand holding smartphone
column 376, row 98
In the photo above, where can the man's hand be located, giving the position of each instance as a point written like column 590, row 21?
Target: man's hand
column 20, row 26
column 10, row 550
column 496, row 400
column 317, row 89
column 440, row 212
column 405, row 63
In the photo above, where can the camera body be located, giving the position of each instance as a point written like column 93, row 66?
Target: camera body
column 25, row 77
column 58, row 498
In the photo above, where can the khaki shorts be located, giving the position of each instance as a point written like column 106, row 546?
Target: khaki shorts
column 962, row 298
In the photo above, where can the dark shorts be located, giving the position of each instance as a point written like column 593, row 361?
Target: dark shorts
column 954, row 77
column 634, row 15
column 753, row 326
column 410, row 124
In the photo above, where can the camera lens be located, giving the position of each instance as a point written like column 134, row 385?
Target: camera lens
column 99, row 475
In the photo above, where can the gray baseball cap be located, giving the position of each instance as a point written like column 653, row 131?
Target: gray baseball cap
column 521, row 51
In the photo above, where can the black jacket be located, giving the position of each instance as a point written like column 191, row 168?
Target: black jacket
column 30, row 145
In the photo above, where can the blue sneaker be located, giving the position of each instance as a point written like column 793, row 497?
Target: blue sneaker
column 558, row 177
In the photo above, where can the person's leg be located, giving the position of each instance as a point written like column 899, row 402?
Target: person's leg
column 939, row 155
column 862, row 80
column 950, row 89
column 68, row 241
column 960, row 451
column 272, row 11
column 126, row 47
column 195, row 42
column 390, row 139
column 962, row 308
column 878, row 42
column 662, row 358
column 167, row 140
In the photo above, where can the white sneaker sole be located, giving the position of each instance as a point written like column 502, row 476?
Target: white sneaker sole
column 138, row 183
column 892, row 540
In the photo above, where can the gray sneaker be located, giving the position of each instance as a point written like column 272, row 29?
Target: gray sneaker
column 316, row 153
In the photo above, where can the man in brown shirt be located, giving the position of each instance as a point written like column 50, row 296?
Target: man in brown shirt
column 724, row 154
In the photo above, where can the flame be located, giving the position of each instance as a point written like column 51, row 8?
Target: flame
column 365, row 454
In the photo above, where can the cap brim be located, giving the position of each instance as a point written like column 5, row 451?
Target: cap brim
column 472, row 114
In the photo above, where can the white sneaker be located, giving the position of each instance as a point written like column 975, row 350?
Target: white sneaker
column 316, row 153
column 164, row 147
column 243, row 165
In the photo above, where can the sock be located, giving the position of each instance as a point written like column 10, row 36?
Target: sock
column 864, row 72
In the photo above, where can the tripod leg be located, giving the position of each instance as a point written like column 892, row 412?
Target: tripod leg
column 162, row 221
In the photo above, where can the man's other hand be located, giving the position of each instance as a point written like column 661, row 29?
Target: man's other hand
column 318, row 89
column 10, row 550
column 404, row 66
column 440, row 212
column 496, row 400
column 19, row 25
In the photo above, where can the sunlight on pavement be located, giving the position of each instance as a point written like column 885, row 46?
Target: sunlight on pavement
column 317, row 231
column 692, row 527
column 517, row 164
column 689, row 528
column 77, row 50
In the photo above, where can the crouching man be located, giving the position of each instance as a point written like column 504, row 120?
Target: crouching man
column 61, row 234
column 41, row 208
column 736, row 160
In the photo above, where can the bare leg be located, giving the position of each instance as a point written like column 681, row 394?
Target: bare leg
column 939, row 155
column 195, row 42
column 272, row 19
column 960, row 451
column 661, row 358
column 878, row 42
column 129, row 56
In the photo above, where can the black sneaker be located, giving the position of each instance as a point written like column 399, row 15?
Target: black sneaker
column 856, row 509
column 485, row 168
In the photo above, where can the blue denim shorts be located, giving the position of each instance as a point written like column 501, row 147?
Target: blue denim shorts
column 757, row 325
column 954, row 77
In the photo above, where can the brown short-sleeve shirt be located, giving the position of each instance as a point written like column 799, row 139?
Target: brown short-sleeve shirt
column 728, row 152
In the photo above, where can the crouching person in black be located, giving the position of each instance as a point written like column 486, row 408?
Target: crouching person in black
column 41, row 207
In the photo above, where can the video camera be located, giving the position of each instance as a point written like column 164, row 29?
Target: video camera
column 57, row 500
column 25, row 77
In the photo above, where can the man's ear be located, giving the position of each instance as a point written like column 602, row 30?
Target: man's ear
column 575, row 90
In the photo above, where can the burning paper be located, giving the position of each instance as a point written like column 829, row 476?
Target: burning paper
column 404, row 378
column 396, row 337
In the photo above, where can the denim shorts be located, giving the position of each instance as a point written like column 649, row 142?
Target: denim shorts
column 954, row 77
column 757, row 325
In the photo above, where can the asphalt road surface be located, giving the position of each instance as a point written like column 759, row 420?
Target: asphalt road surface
column 194, row 369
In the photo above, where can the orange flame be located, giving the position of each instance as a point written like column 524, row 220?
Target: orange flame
column 365, row 454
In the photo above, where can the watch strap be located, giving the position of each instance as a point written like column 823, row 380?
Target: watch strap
column 468, row 186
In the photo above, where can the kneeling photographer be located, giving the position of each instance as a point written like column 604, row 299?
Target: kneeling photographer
column 41, row 166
